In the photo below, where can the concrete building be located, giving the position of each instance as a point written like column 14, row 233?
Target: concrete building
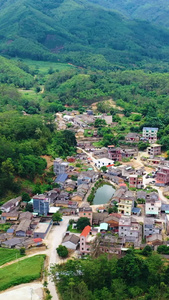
column 163, row 176
column 40, row 205
column 71, row 241
column 150, row 134
column 154, row 150
column 126, row 204
column 152, row 207
column 151, row 227
column 132, row 137
column 104, row 162
column 86, row 212
column 167, row 223
column 135, row 181
column 60, row 167
column 114, row 153
column 85, row 239
column 42, row 229
column 130, row 229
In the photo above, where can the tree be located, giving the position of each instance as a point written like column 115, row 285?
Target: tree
column 62, row 251
column 29, row 207
column 82, row 223
column 26, row 197
column 99, row 123
column 147, row 250
column 22, row 251
column 104, row 169
column 57, row 217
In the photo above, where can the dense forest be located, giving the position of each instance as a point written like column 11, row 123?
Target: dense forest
column 80, row 32
column 130, row 277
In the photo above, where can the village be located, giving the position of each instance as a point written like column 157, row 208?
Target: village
column 131, row 211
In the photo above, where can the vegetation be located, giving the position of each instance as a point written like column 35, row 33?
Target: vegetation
column 82, row 223
column 23, row 271
column 62, row 251
column 115, row 42
column 130, row 277
column 8, row 255
column 57, row 217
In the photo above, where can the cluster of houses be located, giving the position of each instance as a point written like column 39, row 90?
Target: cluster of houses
column 117, row 232
column 24, row 229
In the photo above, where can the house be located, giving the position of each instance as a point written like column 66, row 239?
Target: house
column 163, row 176
column 40, row 204
column 154, row 150
column 13, row 216
column 136, row 211
column 104, row 162
column 150, row 134
column 80, row 133
column 60, row 167
column 151, row 227
column 23, row 227
column 99, row 217
column 167, row 223
column 11, row 204
column 108, row 119
column 132, row 137
column 70, row 185
column 42, row 229
column 154, row 239
column 114, row 153
column 61, row 178
column 153, row 204
column 130, row 229
column 135, row 181
column 141, row 195
column 126, row 203
column 71, row 241
column 86, row 211
column 165, row 208
column 111, row 244
column 113, row 222
column 77, row 197
column 117, row 195
column 25, row 215
column 11, row 243
column 82, row 188
column 85, row 240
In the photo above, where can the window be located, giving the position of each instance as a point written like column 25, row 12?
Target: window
column 84, row 214
column 82, row 248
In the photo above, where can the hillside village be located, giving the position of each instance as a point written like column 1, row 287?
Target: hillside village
column 135, row 215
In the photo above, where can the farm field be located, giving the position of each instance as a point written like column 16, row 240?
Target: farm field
column 7, row 255
column 44, row 66
column 23, row 271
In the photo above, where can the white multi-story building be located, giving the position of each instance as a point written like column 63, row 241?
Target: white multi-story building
column 150, row 133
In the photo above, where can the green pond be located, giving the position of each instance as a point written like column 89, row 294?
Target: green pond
column 103, row 194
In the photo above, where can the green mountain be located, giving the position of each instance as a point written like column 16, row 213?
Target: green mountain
column 79, row 32
column 155, row 11
column 16, row 73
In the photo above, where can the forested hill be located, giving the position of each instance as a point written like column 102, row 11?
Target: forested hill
column 80, row 32
column 156, row 11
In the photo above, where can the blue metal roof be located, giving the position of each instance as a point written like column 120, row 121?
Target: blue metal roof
column 150, row 128
column 10, row 230
column 61, row 177
column 136, row 210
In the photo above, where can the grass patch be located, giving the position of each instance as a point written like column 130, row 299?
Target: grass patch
column 24, row 271
column 73, row 230
column 4, row 227
column 44, row 66
column 7, row 255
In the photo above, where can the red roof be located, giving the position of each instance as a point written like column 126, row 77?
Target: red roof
column 122, row 184
column 37, row 240
column 86, row 231
column 110, row 165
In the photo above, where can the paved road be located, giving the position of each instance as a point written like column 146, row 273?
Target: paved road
column 93, row 160
column 53, row 240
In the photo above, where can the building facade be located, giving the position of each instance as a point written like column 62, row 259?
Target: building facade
column 154, row 150
column 60, row 167
column 150, row 134
column 40, row 205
